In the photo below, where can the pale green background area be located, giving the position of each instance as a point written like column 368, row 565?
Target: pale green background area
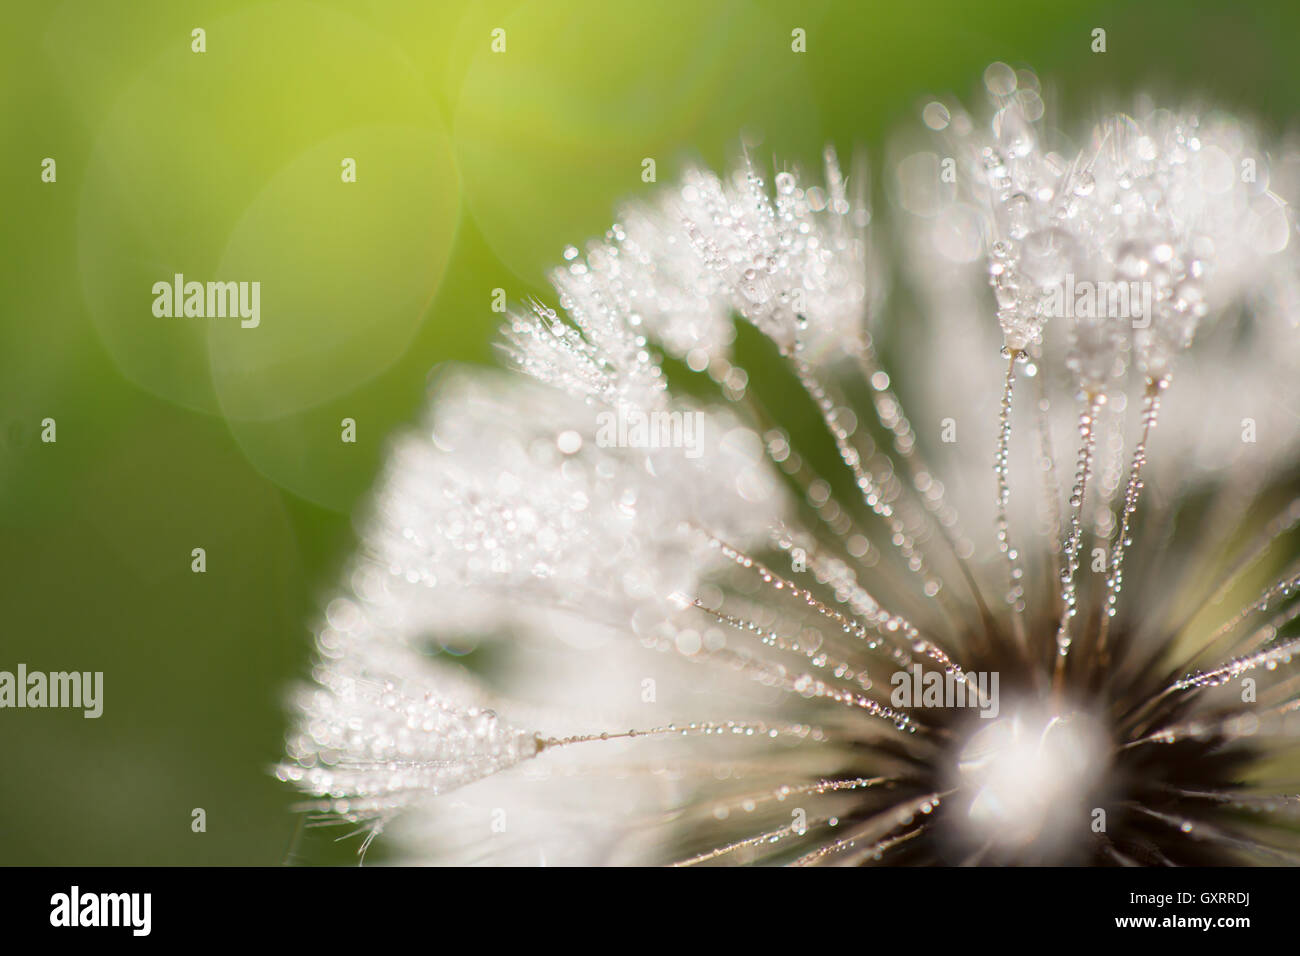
column 474, row 170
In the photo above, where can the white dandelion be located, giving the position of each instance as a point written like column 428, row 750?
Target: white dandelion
column 596, row 619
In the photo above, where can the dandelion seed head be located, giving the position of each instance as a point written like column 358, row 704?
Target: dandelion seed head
column 598, row 616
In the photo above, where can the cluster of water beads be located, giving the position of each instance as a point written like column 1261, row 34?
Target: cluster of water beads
column 545, row 347
column 883, row 623
column 872, row 494
column 1222, row 728
column 1015, row 595
column 805, row 684
column 1271, row 630
column 1235, row 668
column 1051, row 486
column 1074, row 536
column 769, row 837
column 889, row 412
column 778, row 260
column 829, row 569
column 835, row 520
column 902, row 815
column 842, row 669
column 370, row 745
column 1115, row 579
column 797, row 828
column 736, row 728
column 870, row 629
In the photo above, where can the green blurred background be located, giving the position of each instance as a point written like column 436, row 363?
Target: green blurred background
column 474, row 169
